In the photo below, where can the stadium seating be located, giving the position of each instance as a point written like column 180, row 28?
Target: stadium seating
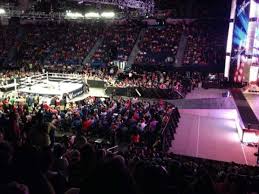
column 58, row 44
column 117, row 44
column 205, row 45
column 7, row 39
column 69, row 43
column 159, row 45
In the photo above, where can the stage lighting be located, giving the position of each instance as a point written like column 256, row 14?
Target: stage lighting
column 74, row 15
column 108, row 14
column 92, row 15
column 2, row 11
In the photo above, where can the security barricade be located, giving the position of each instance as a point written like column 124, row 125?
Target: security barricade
column 144, row 92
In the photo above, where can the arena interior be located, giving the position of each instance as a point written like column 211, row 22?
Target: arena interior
column 129, row 96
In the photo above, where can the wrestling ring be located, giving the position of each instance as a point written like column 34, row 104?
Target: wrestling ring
column 51, row 84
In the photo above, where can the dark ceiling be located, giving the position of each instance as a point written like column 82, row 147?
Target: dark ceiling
column 182, row 8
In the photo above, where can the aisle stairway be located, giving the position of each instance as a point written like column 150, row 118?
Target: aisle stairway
column 135, row 49
column 13, row 51
column 93, row 50
column 181, row 49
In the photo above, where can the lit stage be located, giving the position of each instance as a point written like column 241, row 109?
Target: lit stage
column 247, row 116
column 242, row 65
column 207, row 133
column 210, row 130
column 253, row 101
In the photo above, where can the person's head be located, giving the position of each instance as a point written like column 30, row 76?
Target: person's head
column 75, row 156
column 80, row 141
column 58, row 151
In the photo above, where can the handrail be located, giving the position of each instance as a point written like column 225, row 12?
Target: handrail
column 170, row 118
column 167, row 133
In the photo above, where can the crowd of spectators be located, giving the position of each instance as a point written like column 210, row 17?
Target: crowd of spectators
column 117, row 44
column 7, row 77
column 159, row 45
column 7, row 40
column 58, row 44
column 60, row 147
column 29, row 128
column 159, row 80
column 116, row 78
column 108, row 117
column 33, row 161
column 205, row 44
column 68, row 43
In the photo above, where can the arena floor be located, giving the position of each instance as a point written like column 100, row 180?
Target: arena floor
column 205, row 132
column 211, row 134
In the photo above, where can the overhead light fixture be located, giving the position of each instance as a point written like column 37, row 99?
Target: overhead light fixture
column 2, row 11
column 74, row 15
column 92, row 15
column 108, row 14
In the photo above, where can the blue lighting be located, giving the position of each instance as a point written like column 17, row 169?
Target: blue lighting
column 244, row 21
column 241, row 26
column 256, row 41
column 240, row 33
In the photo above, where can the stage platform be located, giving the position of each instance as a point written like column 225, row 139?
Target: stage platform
column 247, row 121
column 209, row 130
column 211, row 134
column 253, row 101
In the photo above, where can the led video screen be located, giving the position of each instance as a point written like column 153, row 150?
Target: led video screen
column 241, row 27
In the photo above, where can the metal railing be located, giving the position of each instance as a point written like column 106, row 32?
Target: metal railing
column 167, row 133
